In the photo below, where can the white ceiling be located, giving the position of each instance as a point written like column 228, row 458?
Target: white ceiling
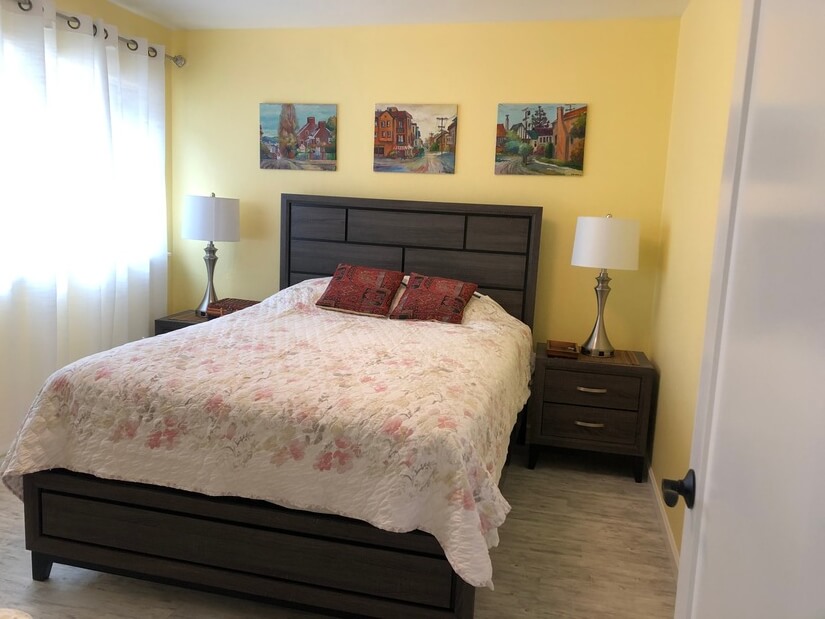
column 243, row 14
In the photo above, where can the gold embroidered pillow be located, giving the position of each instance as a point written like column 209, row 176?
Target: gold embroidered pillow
column 433, row 298
column 361, row 290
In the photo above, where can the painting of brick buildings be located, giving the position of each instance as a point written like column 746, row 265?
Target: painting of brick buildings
column 415, row 138
column 541, row 138
column 298, row 136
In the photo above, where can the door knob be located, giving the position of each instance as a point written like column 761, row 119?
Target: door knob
column 672, row 489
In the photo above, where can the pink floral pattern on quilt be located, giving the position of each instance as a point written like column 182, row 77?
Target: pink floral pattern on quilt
column 401, row 424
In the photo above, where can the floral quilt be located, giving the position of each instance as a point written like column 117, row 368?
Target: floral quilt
column 402, row 424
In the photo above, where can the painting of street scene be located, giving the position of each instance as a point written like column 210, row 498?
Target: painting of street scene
column 415, row 138
column 298, row 136
column 541, row 138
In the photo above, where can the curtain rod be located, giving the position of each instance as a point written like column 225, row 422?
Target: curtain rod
column 74, row 24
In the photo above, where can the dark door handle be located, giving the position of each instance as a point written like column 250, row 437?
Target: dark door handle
column 672, row 489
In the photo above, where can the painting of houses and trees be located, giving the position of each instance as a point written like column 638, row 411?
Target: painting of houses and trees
column 540, row 138
column 415, row 138
column 298, row 137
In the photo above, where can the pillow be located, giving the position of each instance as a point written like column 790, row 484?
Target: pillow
column 361, row 290
column 433, row 298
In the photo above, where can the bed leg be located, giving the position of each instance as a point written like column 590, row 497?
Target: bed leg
column 41, row 566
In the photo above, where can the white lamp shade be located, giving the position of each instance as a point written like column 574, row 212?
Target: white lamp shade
column 207, row 218
column 606, row 243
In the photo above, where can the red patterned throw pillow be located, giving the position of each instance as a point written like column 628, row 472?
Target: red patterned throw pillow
column 433, row 298
column 361, row 290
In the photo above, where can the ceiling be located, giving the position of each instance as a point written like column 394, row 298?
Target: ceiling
column 245, row 14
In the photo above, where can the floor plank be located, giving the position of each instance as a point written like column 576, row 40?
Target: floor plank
column 583, row 540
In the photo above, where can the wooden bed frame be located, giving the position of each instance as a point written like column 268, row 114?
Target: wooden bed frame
column 259, row 550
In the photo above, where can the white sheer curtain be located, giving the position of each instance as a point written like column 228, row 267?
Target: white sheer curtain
column 82, row 196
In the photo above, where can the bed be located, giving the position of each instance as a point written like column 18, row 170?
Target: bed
column 250, row 546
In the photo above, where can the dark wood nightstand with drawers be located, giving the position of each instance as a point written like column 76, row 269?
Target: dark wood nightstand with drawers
column 173, row 322
column 596, row 404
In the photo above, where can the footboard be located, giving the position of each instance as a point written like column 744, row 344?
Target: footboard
column 240, row 547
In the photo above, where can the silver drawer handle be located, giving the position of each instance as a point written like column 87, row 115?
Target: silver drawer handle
column 587, row 424
column 590, row 390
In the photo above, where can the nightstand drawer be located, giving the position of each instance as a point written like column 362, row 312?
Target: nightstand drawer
column 590, row 424
column 181, row 320
column 592, row 389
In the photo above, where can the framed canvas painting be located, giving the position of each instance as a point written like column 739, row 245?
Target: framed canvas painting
column 297, row 136
column 541, row 138
column 415, row 138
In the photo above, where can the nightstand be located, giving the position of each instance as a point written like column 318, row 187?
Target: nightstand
column 597, row 404
column 173, row 322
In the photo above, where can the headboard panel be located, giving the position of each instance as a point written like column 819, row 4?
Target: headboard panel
column 495, row 246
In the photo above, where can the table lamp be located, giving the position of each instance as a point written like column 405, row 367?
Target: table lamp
column 604, row 243
column 207, row 218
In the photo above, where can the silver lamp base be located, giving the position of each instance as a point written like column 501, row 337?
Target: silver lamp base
column 210, row 296
column 598, row 344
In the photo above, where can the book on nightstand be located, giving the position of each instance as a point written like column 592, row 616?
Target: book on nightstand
column 566, row 350
column 227, row 306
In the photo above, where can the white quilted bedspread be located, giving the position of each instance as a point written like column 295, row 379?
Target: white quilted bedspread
column 402, row 424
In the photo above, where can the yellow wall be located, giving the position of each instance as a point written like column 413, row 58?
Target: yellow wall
column 704, row 72
column 622, row 69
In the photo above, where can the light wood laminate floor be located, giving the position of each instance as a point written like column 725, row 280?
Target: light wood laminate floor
column 583, row 541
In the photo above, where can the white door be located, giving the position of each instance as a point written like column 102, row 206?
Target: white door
column 754, row 545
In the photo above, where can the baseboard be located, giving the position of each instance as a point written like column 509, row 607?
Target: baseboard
column 656, row 488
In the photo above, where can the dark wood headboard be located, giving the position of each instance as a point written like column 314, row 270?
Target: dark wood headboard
column 495, row 246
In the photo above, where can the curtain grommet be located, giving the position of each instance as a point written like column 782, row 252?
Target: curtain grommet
column 25, row 6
